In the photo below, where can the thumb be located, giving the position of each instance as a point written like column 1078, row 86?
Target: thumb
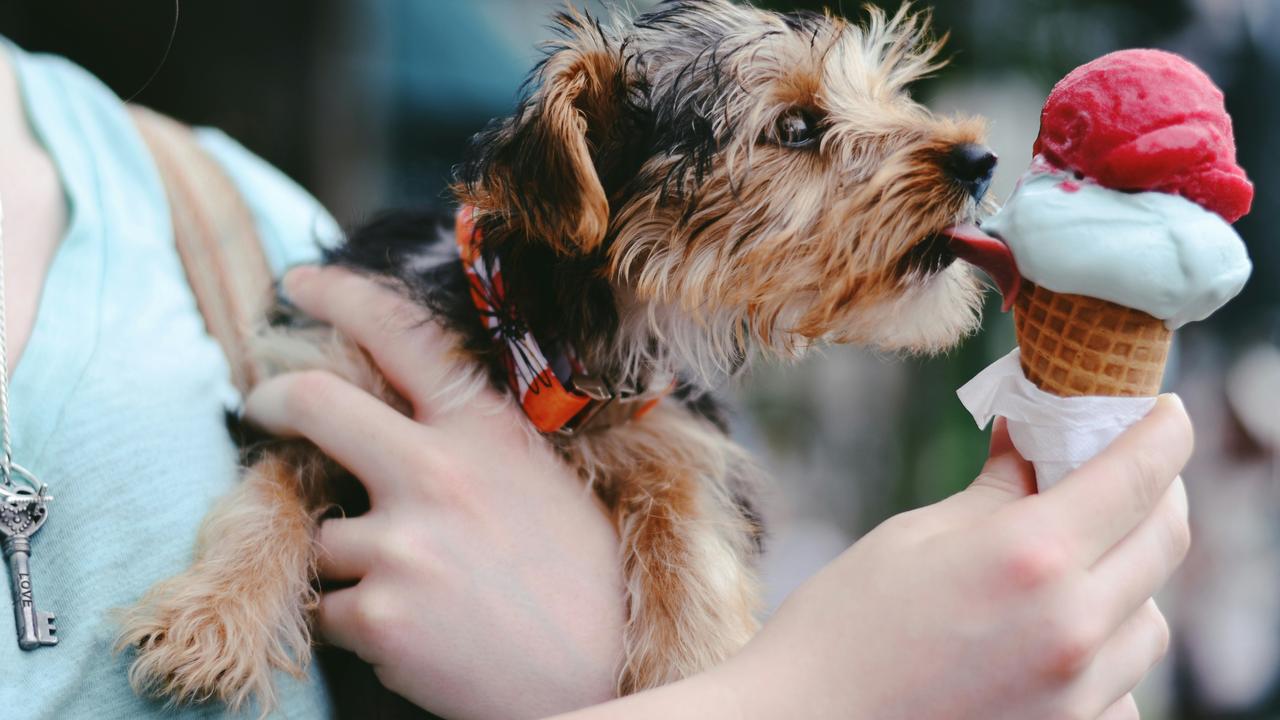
column 1005, row 477
column 1006, row 472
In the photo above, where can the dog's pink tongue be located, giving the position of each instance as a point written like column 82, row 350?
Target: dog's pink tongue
column 974, row 246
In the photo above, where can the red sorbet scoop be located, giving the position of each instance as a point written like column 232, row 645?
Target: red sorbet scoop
column 1146, row 120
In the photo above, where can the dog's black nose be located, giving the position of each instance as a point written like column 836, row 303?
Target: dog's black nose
column 972, row 165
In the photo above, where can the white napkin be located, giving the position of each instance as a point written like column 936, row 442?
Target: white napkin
column 1056, row 434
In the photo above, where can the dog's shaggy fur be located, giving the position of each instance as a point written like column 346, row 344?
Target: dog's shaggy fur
column 677, row 194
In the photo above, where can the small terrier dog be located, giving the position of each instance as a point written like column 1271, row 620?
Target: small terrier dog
column 677, row 194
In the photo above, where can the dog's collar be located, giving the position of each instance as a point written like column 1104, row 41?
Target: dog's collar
column 558, row 394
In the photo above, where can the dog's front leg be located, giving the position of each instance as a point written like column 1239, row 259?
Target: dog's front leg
column 687, row 546
column 220, row 629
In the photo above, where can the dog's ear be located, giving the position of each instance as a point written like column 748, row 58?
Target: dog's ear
column 537, row 171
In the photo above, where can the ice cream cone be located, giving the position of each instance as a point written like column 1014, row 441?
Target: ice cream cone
column 1073, row 345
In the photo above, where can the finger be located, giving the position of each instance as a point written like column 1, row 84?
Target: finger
column 1000, row 442
column 337, row 618
column 363, row 434
column 1126, row 708
column 1005, row 477
column 411, row 352
column 1126, row 658
column 344, row 551
column 1140, row 564
column 1103, row 501
column 1005, row 471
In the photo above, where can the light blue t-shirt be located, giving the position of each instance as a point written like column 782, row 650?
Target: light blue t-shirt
column 118, row 398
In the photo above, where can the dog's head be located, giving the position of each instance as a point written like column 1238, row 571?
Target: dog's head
column 746, row 179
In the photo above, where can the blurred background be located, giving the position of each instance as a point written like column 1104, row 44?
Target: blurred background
column 368, row 103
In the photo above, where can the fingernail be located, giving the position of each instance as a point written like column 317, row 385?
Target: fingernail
column 1173, row 398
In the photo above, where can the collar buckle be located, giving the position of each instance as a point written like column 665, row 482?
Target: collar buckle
column 601, row 394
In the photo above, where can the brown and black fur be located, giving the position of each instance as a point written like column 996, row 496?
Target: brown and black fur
column 676, row 195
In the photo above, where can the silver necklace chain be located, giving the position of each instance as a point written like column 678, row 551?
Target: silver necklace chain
column 28, row 489
column 6, row 461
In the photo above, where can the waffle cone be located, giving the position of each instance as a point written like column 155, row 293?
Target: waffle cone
column 1074, row 345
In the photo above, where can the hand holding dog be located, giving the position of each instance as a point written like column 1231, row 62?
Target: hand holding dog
column 486, row 576
column 488, row 584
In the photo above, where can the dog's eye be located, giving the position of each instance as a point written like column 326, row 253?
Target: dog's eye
column 796, row 129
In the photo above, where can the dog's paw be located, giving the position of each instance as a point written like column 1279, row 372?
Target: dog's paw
column 199, row 637
column 662, row 648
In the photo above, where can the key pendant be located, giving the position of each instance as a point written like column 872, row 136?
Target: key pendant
column 22, row 512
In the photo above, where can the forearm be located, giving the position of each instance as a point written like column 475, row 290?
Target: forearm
column 714, row 695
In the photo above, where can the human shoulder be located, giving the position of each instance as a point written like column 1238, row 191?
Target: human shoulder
column 292, row 224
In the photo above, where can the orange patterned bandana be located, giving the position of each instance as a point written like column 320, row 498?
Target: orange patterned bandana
column 558, row 394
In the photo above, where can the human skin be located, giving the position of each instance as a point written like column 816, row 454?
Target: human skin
column 486, row 586
column 35, row 214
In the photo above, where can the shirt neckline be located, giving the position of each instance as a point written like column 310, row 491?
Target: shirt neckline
column 65, row 332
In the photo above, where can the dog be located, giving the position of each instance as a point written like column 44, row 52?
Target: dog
column 677, row 194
